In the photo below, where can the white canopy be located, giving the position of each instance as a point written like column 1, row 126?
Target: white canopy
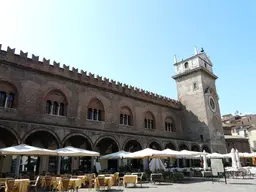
column 141, row 154
column 166, row 153
column 116, row 155
column 75, row 152
column 28, row 150
column 218, row 155
column 247, row 155
column 186, row 153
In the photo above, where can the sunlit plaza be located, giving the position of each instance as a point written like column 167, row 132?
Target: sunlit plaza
column 127, row 95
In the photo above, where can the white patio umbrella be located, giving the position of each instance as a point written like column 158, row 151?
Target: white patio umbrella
column 156, row 164
column 75, row 152
column 233, row 158
column 205, row 161
column 145, row 153
column 116, row 155
column 238, row 163
column 27, row 150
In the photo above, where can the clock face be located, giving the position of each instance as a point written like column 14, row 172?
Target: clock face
column 212, row 104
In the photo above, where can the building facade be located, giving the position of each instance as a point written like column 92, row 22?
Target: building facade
column 45, row 105
column 240, row 132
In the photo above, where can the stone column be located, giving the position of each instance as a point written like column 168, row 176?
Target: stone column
column 97, row 115
column 17, row 166
column 178, row 162
column 43, row 166
column 145, row 164
column 93, row 160
column 58, row 164
column 184, row 162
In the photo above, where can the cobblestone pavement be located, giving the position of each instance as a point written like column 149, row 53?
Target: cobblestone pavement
column 233, row 185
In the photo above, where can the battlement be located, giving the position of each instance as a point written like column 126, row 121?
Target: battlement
column 22, row 59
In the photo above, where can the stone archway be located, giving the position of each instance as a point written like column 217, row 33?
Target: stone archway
column 183, row 146
column 206, row 149
column 81, row 164
column 170, row 145
column 133, row 146
column 195, row 148
column 155, row 145
column 7, row 138
column 43, row 139
column 106, row 146
column 195, row 162
column 183, row 162
column 171, row 162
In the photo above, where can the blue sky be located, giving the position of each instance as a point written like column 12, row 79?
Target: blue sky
column 133, row 41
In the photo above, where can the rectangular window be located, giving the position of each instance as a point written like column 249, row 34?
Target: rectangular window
column 121, row 119
column 129, row 120
column 202, row 138
column 95, row 115
column 90, row 114
column 152, row 124
column 146, row 123
column 195, row 86
column 125, row 120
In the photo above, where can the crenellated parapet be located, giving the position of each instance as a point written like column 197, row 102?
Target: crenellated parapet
column 84, row 77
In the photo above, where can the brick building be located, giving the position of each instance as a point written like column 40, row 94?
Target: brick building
column 49, row 106
column 240, row 132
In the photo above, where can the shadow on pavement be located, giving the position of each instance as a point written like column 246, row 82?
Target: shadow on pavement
column 242, row 183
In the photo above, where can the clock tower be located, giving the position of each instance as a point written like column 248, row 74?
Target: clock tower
column 198, row 94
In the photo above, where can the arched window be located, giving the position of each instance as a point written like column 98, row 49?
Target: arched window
column 186, row 65
column 169, row 125
column 149, row 121
column 7, row 95
column 48, row 107
column 125, row 116
column 95, row 110
column 55, row 103
column 2, row 98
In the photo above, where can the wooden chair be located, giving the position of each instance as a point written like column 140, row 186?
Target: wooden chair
column 36, row 185
column 102, row 181
column 10, row 187
column 2, row 188
column 65, row 185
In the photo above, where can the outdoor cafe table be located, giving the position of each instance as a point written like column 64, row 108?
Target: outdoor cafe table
column 130, row 179
column 53, row 182
column 73, row 183
column 87, row 178
column 109, row 181
column 21, row 184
